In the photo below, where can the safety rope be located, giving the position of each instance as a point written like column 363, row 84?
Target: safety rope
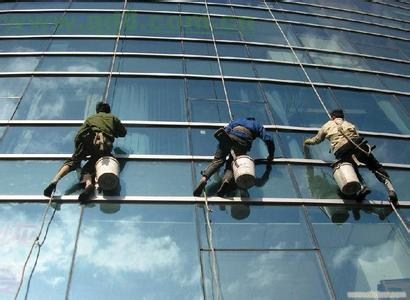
column 218, row 60
column 297, row 59
column 38, row 244
column 215, row 278
column 107, row 87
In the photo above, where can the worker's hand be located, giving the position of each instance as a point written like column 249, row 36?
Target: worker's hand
column 305, row 144
column 270, row 159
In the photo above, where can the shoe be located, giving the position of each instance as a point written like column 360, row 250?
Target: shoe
column 200, row 187
column 361, row 195
column 50, row 189
column 86, row 194
column 223, row 189
column 393, row 197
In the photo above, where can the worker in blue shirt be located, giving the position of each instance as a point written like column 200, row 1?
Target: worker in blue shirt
column 238, row 135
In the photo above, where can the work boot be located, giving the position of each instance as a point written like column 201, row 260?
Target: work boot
column 50, row 189
column 390, row 191
column 86, row 194
column 223, row 190
column 361, row 195
column 200, row 187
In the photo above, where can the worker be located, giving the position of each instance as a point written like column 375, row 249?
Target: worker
column 93, row 140
column 347, row 145
column 238, row 136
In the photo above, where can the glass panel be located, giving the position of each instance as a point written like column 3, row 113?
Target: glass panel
column 96, row 4
column 261, row 274
column 24, row 140
column 30, row 18
column 18, row 232
column 230, row 50
column 250, row 109
column 20, row 45
column 30, row 177
column 245, row 91
column 279, row 71
column 201, row 66
column 257, row 13
column 8, row 106
column 196, row 8
column 151, row 24
column 156, row 178
column 405, row 101
column 390, row 150
column 150, row 5
column 274, row 183
column 388, row 66
column 19, row 64
column 148, row 46
column 145, row 250
column 148, row 99
column 366, row 255
column 294, row 105
column 196, row 27
column 90, row 23
column 244, row 226
column 154, row 140
column 220, row 10
column 205, row 89
column 13, row 86
column 225, row 28
column 209, row 111
column 40, row 29
column 149, row 65
column 79, row 45
column 396, row 83
column 240, row 69
column 199, row 48
column 373, row 112
column 337, row 60
column 279, row 54
column 69, row 98
column 260, row 31
column 75, row 64
column 42, row 4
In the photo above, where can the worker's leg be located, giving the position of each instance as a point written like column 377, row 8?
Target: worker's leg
column 89, row 188
column 228, row 183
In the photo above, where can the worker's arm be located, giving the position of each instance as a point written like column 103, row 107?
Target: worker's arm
column 318, row 138
column 120, row 130
column 267, row 138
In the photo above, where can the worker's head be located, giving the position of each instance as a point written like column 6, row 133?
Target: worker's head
column 337, row 113
column 102, row 107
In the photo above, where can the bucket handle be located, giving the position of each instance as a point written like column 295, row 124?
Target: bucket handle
column 234, row 158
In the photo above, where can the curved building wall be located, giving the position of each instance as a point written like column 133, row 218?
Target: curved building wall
column 174, row 72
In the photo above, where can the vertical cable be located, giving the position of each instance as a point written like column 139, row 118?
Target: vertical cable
column 297, row 59
column 400, row 218
column 117, row 40
column 218, row 60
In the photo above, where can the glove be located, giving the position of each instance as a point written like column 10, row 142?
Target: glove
column 305, row 142
column 270, row 159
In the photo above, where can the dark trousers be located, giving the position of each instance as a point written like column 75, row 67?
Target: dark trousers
column 346, row 152
column 238, row 145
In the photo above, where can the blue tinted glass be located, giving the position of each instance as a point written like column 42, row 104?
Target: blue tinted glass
column 156, row 178
column 199, row 48
column 29, row 18
column 209, row 111
column 205, row 89
column 196, row 27
column 390, row 150
column 240, row 69
column 151, row 25
column 135, row 251
column 38, row 140
column 244, row 226
column 90, row 23
column 201, row 66
column 69, row 98
column 350, row 78
column 148, row 99
column 244, row 109
column 13, row 86
column 148, row 46
column 98, row 45
column 75, row 63
column 149, row 65
column 276, row 71
column 34, row 29
column 198, row 8
column 19, row 64
column 355, row 252
column 20, row 45
column 388, row 66
column 19, row 231
column 96, row 4
column 242, row 90
column 261, row 274
column 152, row 5
column 220, row 10
column 260, row 31
column 232, row 50
column 272, row 53
column 257, row 13
column 405, row 101
column 337, row 60
column 294, row 105
column 396, row 83
column 42, row 4
column 154, row 140
column 225, row 28
column 8, row 107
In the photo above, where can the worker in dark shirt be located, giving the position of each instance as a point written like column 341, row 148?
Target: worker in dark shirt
column 238, row 135
column 93, row 140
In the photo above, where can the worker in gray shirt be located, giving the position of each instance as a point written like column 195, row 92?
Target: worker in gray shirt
column 347, row 145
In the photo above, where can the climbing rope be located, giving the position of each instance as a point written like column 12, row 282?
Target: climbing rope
column 214, row 271
column 39, row 245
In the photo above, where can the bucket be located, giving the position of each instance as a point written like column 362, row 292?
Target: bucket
column 244, row 171
column 240, row 211
column 107, row 170
column 337, row 214
column 346, row 178
column 110, row 208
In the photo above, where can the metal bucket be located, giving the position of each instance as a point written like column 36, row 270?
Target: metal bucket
column 346, row 178
column 107, row 170
column 240, row 211
column 337, row 214
column 244, row 171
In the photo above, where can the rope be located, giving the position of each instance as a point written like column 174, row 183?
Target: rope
column 36, row 242
column 115, row 53
column 215, row 279
column 297, row 59
column 400, row 218
column 218, row 60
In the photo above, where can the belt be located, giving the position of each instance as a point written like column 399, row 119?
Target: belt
column 243, row 130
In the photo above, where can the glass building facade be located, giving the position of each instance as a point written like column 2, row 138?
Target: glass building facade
column 174, row 72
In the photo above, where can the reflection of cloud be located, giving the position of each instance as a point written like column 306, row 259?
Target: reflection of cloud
column 342, row 256
column 262, row 274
